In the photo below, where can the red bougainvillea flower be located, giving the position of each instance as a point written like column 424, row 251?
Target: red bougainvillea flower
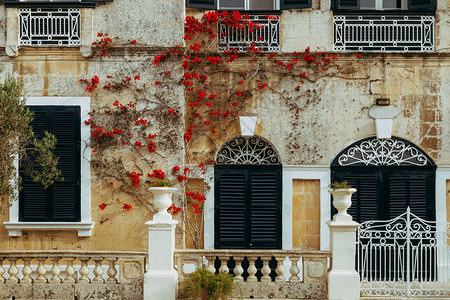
column 175, row 170
column 102, row 206
column 127, row 206
column 174, row 209
column 133, row 42
column 135, row 178
column 156, row 82
column 157, row 174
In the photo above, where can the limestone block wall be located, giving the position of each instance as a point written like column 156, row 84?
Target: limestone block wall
column 306, row 214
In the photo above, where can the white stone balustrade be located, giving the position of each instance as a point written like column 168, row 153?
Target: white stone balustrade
column 70, row 267
column 263, row 273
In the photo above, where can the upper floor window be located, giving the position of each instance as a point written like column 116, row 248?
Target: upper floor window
column 383, row 25
column 49, row 27
column 384, row 6
column 247, row 4
column 51, row 3
column 250, row 5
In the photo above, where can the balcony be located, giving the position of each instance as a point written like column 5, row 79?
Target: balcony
column 390, row 33
column 265, row 37
column 49, row 27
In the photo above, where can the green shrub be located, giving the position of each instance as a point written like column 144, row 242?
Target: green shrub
column 217, row 286
column 340, row 185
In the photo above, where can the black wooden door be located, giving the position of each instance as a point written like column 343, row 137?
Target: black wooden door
column 248, row 206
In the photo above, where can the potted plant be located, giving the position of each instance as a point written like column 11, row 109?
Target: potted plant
column 204, row 285
column 342, row 196
column 162, row 190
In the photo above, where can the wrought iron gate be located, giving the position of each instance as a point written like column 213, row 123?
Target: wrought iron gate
column 404, row 256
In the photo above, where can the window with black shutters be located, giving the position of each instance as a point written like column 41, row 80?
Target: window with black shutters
column 384, row 6
column 61, row 201
column 389, row 175
column 247, row 206
column 262, row 5
column 52, row 3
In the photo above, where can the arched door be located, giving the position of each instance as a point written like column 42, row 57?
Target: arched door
column 247, row 184
column 390, row 175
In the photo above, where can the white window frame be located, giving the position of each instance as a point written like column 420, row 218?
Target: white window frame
column 85, row 225
column 247, row 4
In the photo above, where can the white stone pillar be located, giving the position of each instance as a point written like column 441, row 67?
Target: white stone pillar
column 343, row 280
column 161, row 280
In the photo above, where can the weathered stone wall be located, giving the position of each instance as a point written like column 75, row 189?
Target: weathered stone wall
column 312, row 125
column 56, row 72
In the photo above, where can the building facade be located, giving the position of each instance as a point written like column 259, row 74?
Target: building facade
column 268, row 188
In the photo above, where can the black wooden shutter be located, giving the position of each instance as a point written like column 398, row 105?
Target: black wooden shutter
column 344, row 4
column 413, row 190
column 230, row 209
column 265, row 210
column 205, row 4
column 66, row 128
column 429, row 5
column 247, row 207
column 60, row 201
column 289, row 4
column 365, row 201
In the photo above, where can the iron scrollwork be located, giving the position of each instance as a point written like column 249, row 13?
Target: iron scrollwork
column 247, row 150
column 383, row 152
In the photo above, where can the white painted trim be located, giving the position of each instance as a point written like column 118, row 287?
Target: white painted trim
column 442, row 175
column 208, row 229
column 15, row 228
column 85, row 204
column 319, row 172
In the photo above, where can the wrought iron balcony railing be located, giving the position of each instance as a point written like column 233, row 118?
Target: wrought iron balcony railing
column 265, row 37
column 49, row 27
column 388, row 33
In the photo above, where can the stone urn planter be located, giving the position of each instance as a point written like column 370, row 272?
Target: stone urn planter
column 162, row 198
column 342, row 200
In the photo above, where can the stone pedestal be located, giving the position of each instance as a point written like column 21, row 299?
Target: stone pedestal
column 161, row 280
column 343, row 280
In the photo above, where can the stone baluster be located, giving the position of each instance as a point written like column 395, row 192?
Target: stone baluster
column 112, row 272
column 55, row 271
column 41, row 271
column 98, row 270
column 280, row 269
column 13, row 271
column 26, row 271
column 294, row 270
column 265, row 269
column 2, row 271
column 223, row 264
column 84, row 271
column 238, row 270
column 211, row 267
column 70, row 271
column 252, row 269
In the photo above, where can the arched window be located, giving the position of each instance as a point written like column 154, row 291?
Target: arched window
column 390, row 175
column 247, row 195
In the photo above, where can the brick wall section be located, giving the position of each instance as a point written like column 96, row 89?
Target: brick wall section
column 306, row 214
